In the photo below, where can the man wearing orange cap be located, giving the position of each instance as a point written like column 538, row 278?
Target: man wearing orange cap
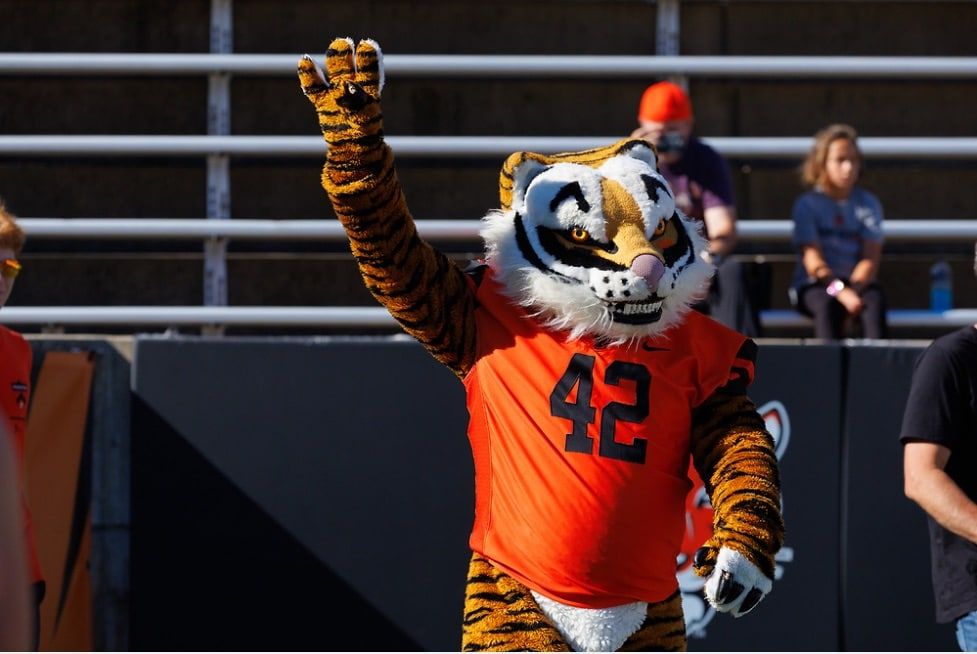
column 700, row 179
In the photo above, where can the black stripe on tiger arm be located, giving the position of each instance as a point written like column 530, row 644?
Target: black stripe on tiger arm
column 353, row 159
column 727, row 427
column 428, row 295
column 341, row 128
column 390, row 223
column 746, row 506
column 759, row 549
column 348, row 184
column 360, row 199
column 339, row 58
column 391, row 275
column 443, row 316
column 311, row 80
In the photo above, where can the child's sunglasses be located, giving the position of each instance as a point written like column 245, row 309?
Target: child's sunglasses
column 10, row 268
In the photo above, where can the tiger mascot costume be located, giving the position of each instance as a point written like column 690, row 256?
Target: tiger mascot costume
column 590, row 382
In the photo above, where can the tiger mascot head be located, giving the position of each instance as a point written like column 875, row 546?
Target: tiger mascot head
column 591, row 243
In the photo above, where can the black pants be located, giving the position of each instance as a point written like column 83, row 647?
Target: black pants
column 729, row 302
column 829, row 314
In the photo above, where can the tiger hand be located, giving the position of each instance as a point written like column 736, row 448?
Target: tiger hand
column 347, row 96
column 733, row 583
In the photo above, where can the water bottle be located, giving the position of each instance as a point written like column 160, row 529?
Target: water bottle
column 941, row 286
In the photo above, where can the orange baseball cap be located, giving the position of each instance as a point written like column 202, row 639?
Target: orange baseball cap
column 664, row 101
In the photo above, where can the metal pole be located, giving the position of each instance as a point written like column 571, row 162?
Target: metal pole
column 668, row 33
column 218, row 165
column 111, row 525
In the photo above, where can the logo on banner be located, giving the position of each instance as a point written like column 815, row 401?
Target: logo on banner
column 698, row 529
column 20, row 388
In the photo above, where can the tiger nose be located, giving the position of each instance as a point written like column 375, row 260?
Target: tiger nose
column 650, row 268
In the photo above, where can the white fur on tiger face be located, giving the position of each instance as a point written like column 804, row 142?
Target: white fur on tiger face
column 598, row 251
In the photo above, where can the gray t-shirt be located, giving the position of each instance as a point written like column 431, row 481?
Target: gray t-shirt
column 838, row 227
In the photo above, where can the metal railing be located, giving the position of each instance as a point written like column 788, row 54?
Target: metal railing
column 752, row 147
column 488, row 66
column 767, row 231
column 218, row 146
column 134, row 317
column 352, row 317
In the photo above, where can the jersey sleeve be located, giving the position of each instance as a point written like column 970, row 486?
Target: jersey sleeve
column 741, row 370
column 935, row 401
column 727, row 359
column 805, row 223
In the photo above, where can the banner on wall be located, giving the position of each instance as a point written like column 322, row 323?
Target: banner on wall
column 58, row 482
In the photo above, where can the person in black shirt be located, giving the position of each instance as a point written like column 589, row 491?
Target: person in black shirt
column 939, row 436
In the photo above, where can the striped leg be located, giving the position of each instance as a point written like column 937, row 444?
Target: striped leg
column 501, row 615
column 663, row 629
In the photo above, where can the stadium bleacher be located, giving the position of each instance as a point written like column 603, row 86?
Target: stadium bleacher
column 166, row 169
column 204, row 126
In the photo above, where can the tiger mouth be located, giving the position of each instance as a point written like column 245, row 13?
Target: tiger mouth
column 635, row 313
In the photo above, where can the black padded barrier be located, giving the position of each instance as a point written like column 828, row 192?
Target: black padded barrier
column 298, row 495
column 287, row 491
column 888, row 596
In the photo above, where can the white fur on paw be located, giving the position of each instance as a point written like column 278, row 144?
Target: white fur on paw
column 742, row 572
column 593, row 630
column 376, row 46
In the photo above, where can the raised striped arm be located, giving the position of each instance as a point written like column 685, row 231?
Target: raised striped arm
column 420, row 287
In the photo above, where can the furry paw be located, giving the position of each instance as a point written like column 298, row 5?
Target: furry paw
column 347, row 94
column 734, row 584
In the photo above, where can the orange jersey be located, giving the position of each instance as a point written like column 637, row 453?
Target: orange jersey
column 581, row 452
column 15, row 388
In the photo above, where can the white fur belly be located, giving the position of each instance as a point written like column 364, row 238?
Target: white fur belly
column 593, row 630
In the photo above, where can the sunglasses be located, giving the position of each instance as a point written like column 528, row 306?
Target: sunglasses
column 10, row 268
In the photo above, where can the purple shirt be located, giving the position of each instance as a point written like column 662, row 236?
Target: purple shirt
column 700, row 180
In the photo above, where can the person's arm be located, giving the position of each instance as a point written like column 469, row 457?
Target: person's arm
column 718, row 205
column 812, row 258
column 814, row 263
column 927, row 484
column 873, row 236
column 865, row 270
column 721, row 227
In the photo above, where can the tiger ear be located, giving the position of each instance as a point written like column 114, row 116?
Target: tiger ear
column 642, row 151
column 520, row 170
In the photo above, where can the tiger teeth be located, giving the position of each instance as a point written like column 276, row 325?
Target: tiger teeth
column 632, row 308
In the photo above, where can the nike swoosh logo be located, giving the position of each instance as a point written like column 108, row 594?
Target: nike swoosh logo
column 652, row 348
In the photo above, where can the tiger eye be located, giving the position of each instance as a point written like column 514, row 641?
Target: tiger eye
column 579, row 235
column 661, row 228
